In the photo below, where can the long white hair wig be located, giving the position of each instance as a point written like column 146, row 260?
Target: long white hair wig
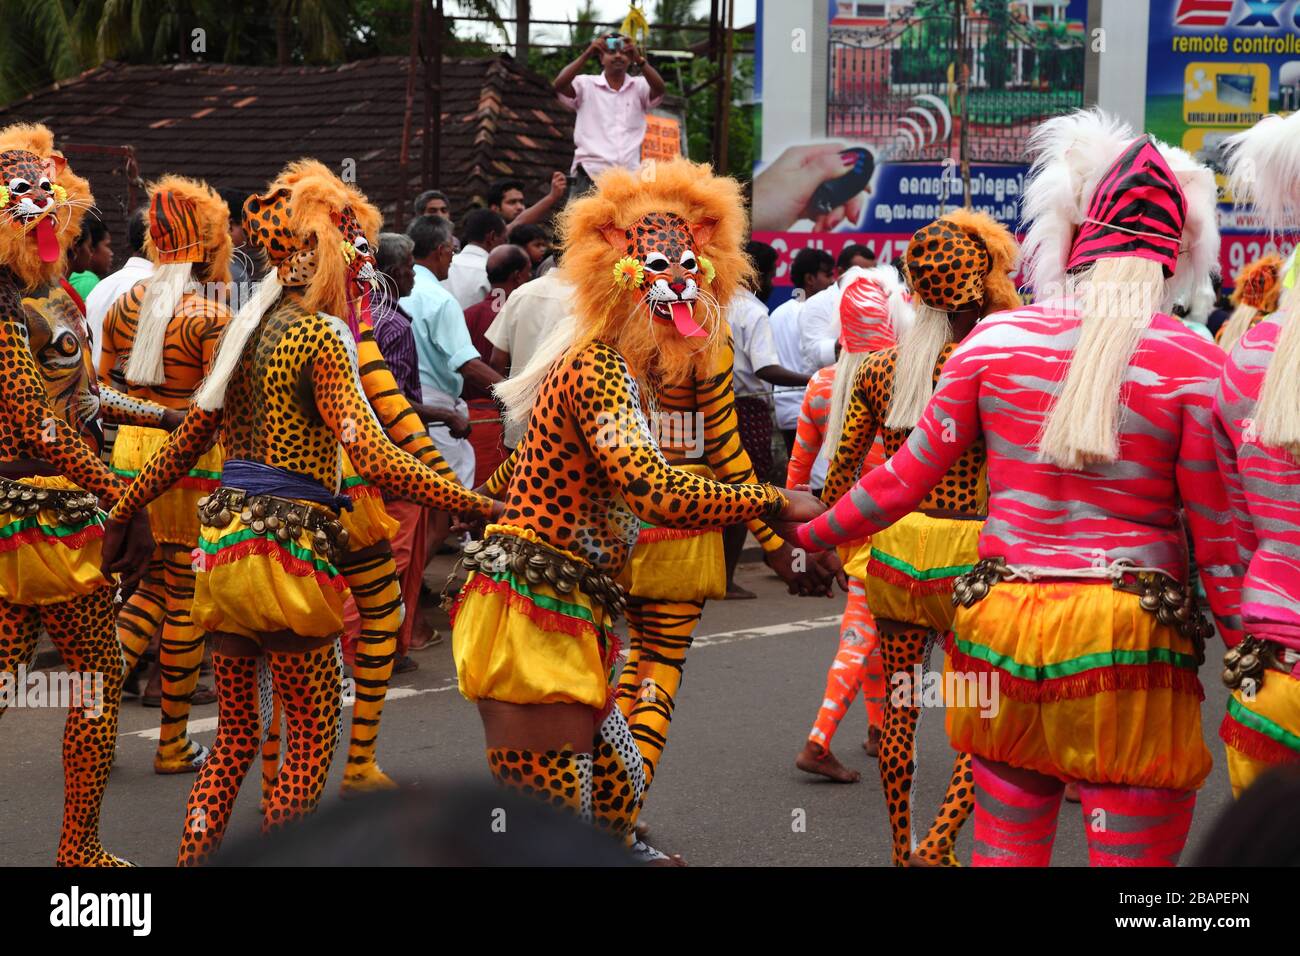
column 1071, row 154
column 1264, row 169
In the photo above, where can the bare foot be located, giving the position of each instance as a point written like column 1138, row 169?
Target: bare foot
column 736, row 593
column 815, row 759
column 1072, row 792
column 872, row 744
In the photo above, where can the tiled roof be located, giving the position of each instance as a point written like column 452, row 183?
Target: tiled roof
column 236, row 126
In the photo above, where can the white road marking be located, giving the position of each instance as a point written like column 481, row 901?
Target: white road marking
column 204, row 724
column 770, row 630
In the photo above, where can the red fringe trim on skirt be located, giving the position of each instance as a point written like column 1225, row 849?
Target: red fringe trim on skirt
column 74, row 541
column 890, row 575
column 1254, row 744
column 1095, row 681
column 544, row 618
column 294, row 565
column 651, row 535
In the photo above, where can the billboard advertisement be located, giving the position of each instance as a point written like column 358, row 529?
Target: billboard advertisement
column 1214, row 68
column 896, row 120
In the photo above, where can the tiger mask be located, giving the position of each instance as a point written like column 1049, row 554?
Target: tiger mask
column 42, row 204
column 654, row 256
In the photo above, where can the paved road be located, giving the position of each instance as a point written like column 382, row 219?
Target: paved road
column 727, row 792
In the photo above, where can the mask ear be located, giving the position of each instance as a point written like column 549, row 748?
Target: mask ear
column 55, row 164
column 703, row 231
column 615, row 236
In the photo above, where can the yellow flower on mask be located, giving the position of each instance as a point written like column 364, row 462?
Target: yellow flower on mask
column 629, row 273
column 707, row 268
column 60, row 193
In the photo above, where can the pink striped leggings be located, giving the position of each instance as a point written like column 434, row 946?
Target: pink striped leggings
column 1016, row 813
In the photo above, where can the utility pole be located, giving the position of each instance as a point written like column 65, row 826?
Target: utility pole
column 522, row 18
column 963, row 88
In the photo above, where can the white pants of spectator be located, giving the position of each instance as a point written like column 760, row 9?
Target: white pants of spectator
column 458, row 452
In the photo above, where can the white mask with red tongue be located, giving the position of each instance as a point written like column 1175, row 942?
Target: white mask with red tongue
column 47, row 241
column 684, row 319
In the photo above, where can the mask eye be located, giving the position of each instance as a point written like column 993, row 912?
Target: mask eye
column 688, row 261
column 360, row 244
column 656, row 263
column 45, row 185
column 19, row 186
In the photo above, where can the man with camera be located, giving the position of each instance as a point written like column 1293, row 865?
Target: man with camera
column 611, row 107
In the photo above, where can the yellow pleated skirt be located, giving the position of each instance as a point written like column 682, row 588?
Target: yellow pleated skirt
column 913, row 564
column 173, row 515
column 677, row 564
column 45, row 562
column 524, row 643
column 368, row 522
column 1084, row 685
column 1261, row 729
column 250, row 584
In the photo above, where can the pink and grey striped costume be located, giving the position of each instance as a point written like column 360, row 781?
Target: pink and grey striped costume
column 1261, row 728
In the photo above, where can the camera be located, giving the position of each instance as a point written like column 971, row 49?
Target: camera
column 613, row 43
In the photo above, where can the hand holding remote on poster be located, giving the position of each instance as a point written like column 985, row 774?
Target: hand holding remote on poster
column 888, row 159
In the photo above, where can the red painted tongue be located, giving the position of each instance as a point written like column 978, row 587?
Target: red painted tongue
column 683, row 319
column 47, row 243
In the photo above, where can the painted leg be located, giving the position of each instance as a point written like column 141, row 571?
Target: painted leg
column 309, row 686
column 560, row 777
column 83, row 631
column 619, row 776
column 179, row 655
column 1135, row 826
column 903, row 648
column 143, row 613
column 660, row 633
column 938, row 847
column 20, row 628
column 372, row 576
column 272, row 721
column 845, row 678
column 1015, row 815
column 212, row 797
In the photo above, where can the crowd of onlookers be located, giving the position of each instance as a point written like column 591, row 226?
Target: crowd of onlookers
column 467, row 293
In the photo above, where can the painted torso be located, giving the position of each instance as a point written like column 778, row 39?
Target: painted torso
column 1264, row 488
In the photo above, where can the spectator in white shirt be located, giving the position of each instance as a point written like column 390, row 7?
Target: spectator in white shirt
column 757, row 365
column 819, row 323
column 755, row 368
column 812, row 271
column 467, row 279
column 611, row 107
column 108, row 289
column 532, row 310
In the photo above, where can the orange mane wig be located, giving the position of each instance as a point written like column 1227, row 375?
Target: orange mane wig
column 1260, row 284
column 316, row 198
column 18, row 249
column 604, row 312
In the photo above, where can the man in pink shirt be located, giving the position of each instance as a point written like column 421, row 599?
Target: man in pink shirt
column 611, row 107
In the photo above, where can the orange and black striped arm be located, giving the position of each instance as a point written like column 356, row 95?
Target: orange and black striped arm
column 499, row 480
column 399, row 420
column 726, row 456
